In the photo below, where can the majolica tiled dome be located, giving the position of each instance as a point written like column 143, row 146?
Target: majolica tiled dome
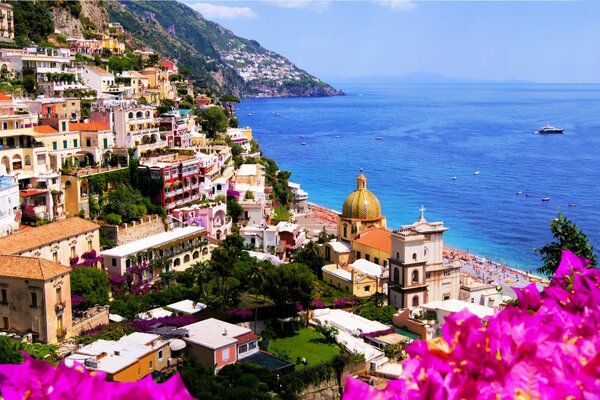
column 361, row 204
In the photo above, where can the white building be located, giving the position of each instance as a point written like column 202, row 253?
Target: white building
column 443, row 309
column 264, row 238
column 182, row 247
column 9, row 205
column 36, row 60
column 476, row 292
column 102, row 81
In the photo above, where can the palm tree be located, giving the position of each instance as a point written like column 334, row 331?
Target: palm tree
column 257, row 277
column 167, row 277
column 201, row 269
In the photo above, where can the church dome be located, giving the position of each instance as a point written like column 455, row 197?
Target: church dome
column 361, row 204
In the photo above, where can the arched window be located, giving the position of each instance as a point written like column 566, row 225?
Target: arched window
column 147, row 114
column 415, row 276
column 415, row 301
column 186, row 258
column 27, row 160
column 130, row 115
column 139, row 114
column 398, row 255
column 345, row 230
column 396, row 275
column 68, row 185
column 425, row 251
column 196, row 254
column 204, row 251
column 177, row 262
column 414, row 256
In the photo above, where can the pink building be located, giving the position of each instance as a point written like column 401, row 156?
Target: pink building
column 213, row 217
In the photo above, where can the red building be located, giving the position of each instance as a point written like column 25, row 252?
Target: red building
column 169, row 65
column 182, row 176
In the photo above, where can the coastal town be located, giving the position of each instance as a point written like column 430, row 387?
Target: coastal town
column 143, row 232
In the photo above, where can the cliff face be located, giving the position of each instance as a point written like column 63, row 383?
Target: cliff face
column 70, row 25
column 214, row 55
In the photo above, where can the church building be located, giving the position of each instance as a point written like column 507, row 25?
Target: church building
column 418, row 274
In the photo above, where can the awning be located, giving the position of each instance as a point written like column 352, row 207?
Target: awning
column 32, row 192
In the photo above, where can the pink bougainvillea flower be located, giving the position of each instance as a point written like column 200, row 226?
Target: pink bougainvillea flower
column 37, row 380
column 545, row 348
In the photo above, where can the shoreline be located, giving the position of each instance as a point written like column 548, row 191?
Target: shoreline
column 480, row 268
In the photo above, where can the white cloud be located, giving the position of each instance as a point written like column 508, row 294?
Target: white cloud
column 316, row 5
column 224, row 12
column 401, row 5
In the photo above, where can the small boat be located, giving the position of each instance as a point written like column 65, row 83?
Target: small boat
column 454, row 178
column 249, row 114
column 549, row 129
column 545, row 198
column 572, row 205
column 529, row 195
column 301, row 136
column 378, row 137
column 337, row 136
column 476, row 173
column 303, row 143
column 519, row 193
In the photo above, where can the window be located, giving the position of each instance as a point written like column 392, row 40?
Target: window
column 447, row 273
column 397, row 275
column 88, row 142
column 34, row 302
column 242, row 349
column 368, row 288
column 397, row 255
column 55, row 256
column 4, row 297
column 414, row 256
column 73, row 252
column 225, row 354
column 472, row 300
column 345, row 230
column 27, row 160
column 105, row 142
column 376, row 260
column 58, row 295
column 89, row 245
column 64, row 125
column 64, row 144
column 446, row 297
column 252, row 345
column 415, row 301
column 368, row 257
column 54, row 145
column 160, row 355
column 428, row 275
column 75, row 143
column 6, row 324
column 358, row 255
column 415, row 276
column 150, row 365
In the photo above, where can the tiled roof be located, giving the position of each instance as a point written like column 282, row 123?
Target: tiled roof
column 377, row 238
column 100, row 71
column 246, row 337
column 44, row 129
column 45, row 234
column 89, row 126
column 30, row 268
column 136, row 74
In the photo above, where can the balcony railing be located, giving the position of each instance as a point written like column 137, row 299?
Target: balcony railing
column 150, row 146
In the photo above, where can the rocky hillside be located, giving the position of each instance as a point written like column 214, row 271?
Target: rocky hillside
column 214, row 55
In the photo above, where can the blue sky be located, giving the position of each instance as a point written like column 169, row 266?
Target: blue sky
column 540, row 41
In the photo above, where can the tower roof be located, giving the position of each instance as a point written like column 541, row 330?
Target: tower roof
column 361, row 203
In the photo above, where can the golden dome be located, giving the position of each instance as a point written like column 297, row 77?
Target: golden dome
column 361, row 204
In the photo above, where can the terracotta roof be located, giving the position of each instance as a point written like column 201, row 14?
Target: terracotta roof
column 136, row 74
column 89, row 126
column 376, row 238
column 45, row 234
column 32, row 192
column 30, row 268
column 246, row 337
column 99, row 71
column 44, row 129
column 4, row 97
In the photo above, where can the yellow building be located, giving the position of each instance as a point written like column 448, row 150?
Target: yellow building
column 361, row 211
column 35, row 298
column 362, row 278
column 373, row 244
column 128, row 359
column 250, row 174
column 112, row 44
column 58, row 241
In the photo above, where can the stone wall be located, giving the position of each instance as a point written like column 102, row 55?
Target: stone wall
column 92, row 318
column 330, row 389
column 136, row 230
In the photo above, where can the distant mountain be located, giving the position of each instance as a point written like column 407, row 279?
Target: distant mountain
column 215, row 56
column 418, row 77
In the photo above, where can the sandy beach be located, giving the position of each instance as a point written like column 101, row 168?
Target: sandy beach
column 480, row 268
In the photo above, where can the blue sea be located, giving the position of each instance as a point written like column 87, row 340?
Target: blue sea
column 434, row 132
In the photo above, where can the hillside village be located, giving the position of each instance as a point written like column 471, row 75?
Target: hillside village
column 143, row 232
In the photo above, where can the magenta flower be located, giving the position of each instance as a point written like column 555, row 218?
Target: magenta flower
column 547, row 347
column 40, row 380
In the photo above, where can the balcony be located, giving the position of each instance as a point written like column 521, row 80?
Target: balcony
column 152, row 146
column 147, row 131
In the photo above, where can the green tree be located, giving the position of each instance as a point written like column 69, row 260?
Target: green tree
column 91, row 283
column 127, row 203
column 9, row 354
column 309, row 255
column 257, row 277
column 29, row 83
column 290, row 283
column 234, row 209
column 228, row 101
column 567, row 237
column 214, row 120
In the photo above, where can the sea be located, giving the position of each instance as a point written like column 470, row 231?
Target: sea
column 467, row 153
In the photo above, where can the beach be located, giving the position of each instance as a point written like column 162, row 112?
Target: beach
column 481, row 269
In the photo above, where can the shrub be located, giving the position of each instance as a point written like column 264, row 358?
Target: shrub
column 113, row 219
